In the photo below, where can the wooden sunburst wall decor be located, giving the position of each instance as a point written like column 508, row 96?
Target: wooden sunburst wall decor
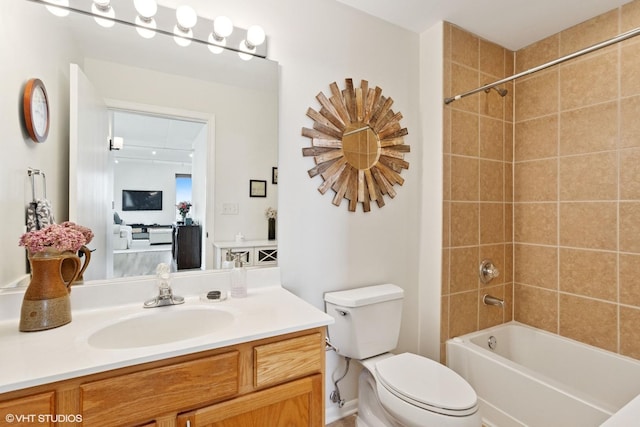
column 358, row 146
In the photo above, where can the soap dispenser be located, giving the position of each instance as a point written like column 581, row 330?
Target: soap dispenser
column 238, row 278
column 228, row 263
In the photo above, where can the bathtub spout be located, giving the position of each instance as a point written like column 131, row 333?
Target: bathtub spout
column 491, row 300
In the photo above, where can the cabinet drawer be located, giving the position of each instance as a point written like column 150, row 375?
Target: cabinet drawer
column 139, row 397
column 284, row 360
column 29, row 410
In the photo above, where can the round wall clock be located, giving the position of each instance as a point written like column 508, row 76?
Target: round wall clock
column 35, row 106
column 358, row 146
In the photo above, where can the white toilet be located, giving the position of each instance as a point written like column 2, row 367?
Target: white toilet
column 395, row 390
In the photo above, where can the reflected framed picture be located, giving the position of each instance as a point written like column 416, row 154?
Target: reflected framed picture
column 274, row 175
column 257, row 188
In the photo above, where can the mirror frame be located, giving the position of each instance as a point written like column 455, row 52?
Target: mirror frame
column 357, row 143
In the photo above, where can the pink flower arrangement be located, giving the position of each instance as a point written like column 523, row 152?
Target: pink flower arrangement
column 183, row 208
column 67, row 236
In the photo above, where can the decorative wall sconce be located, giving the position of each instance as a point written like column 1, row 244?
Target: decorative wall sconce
column 183, row 24
column 116, row 143
column 358, row 146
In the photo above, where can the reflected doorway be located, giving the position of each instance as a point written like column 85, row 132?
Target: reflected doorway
column 166, row 156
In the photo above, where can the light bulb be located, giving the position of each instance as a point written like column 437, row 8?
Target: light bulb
column 57, row 11
column 219, row 44
column 186, row 17
column 142, row 24
column 182, row 41
column 245, row 48
column 222, row 27
column 103, row 8
column 255, row 36
column 146, row 8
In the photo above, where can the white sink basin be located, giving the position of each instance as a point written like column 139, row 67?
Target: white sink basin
column 160, row 326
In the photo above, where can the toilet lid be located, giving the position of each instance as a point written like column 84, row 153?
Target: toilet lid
column 427, row 384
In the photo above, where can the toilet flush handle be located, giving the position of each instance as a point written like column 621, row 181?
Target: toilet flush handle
column 341, row 312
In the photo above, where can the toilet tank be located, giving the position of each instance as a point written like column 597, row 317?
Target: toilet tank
column 367, row 320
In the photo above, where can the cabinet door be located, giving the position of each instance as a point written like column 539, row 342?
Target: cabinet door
column 38, row 409
column 266, row 256
column 298, row 403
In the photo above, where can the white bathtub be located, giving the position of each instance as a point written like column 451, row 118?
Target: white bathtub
column 538, row 379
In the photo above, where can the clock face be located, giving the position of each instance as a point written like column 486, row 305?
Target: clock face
column 36, row 110
column 39, row 111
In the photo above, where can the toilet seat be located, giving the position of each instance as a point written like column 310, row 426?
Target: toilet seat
column 427, row 384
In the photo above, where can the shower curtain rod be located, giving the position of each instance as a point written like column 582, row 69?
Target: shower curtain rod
column 617, row 39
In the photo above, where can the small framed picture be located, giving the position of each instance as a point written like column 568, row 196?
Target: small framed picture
column 274, row 175
column 257, row 188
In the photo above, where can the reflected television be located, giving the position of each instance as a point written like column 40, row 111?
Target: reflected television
column 141, row 200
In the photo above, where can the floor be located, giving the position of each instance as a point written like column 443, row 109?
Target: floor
column 349, row 421
column 140, row 260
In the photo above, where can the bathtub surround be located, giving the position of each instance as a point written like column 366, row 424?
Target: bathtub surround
column 571, row 220
column 477, row 206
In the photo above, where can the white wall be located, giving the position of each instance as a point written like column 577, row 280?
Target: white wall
column 160, row 176
column 430, row 224
column 31, row 46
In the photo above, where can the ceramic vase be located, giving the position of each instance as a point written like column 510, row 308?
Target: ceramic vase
column 68, row 266
column 272, row 228
column 46, row 302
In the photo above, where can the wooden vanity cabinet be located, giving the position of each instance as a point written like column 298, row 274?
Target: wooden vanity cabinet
column 279, row 379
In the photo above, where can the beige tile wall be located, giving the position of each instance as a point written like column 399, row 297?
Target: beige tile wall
column 577, row 186
column 546, row 182
column 478, row 173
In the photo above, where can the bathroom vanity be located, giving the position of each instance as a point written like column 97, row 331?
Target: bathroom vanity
column 263, row 359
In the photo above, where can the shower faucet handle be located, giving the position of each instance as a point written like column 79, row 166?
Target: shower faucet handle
column 488, row 271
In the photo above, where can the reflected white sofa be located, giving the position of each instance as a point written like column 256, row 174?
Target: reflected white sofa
column 122, row 236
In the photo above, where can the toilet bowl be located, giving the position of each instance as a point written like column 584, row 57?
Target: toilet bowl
column 412, row 391
column 404, row 390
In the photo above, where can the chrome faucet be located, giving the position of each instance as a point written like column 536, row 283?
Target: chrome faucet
column 165, row 293
column 491, row 300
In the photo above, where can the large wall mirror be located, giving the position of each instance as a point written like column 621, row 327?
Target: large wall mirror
column 181, row 112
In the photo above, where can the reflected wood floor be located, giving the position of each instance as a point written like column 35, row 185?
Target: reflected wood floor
column 349, row 421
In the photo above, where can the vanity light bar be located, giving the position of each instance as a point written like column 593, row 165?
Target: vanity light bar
column 245, row 48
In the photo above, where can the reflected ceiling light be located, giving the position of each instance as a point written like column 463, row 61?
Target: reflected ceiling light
column 146, row 11
column 57, row 11
column 103, row 8
column 255, row 37
column 187, row 19
column 216, row 46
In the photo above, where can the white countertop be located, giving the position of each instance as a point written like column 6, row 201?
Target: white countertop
column 32, row 358
column 244, row 243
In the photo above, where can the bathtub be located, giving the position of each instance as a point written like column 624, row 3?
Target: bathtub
column 538, row 379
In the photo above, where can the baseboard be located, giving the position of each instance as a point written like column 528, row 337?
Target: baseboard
column 333, row 413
